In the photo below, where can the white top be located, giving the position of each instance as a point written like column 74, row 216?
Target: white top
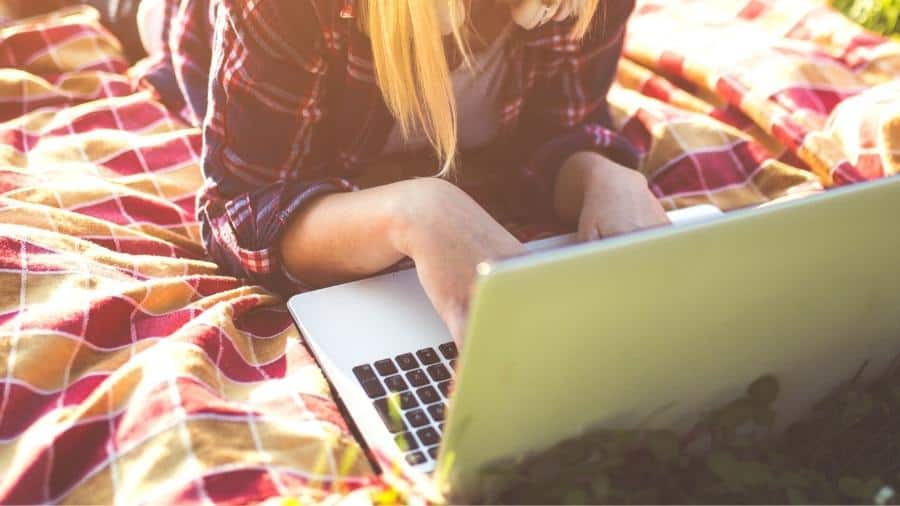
column 477, row 92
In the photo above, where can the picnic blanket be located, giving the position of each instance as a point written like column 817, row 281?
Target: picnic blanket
column 133, row 372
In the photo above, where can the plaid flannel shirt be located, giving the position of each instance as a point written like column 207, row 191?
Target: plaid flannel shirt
column 290, row 110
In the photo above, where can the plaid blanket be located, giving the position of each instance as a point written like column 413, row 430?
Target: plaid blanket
column 132, row 372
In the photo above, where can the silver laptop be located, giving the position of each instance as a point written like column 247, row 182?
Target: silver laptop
column 651, row 329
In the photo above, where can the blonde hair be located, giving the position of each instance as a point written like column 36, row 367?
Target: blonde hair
column 411, row 65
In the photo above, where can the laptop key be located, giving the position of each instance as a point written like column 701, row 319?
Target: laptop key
column 364, row 373
column 444, row 387
column 449, row 350
column 428, row 395
column 396, row 383
column 417, row 418
column 417, row 378
column 406, row 361
column 408, row 401
column 453, row 364
column 428, row 356
column 390, row 416
column 406, row 441
column 386, row 367
column 428, row 436
column 415, row 458
column 401, row 401
column 373, row 388
column 438, row 372
column 437, row 412
column 433, row 452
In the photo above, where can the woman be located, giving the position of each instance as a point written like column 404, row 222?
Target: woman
column 307, row 100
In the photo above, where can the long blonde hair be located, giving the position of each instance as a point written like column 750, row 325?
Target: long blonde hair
column 411, row 66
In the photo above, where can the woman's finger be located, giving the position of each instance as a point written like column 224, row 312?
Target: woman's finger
column 456, row 322
column 588, row 230
column 589, row 234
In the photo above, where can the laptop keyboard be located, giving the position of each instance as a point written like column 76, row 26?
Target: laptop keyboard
column 410, row 393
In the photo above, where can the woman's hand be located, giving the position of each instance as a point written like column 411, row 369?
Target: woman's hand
column 344, row 236
column 448, row 234
column 605, row 199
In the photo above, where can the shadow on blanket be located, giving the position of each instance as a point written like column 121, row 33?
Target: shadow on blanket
column 132, row 371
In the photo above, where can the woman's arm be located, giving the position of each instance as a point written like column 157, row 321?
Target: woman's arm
column 567, row 112
column 604, row 198
column 340, row 237
column 269, row 212
column 266, row 156
column 344, row 236
column 579, row 164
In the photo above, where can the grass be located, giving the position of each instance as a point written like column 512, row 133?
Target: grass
column 882, row 16
column 847, row 451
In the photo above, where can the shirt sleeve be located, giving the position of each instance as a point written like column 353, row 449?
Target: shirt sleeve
column 567, row 112
column 264, row 156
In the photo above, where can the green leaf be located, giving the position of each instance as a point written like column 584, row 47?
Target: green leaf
column 542, row 468
column 764, row 390
column 796, row 496
column 724, row 465
column 871, row 488
column 574, row 452
column 664, row 445
column 755, row 474
column 852, row 487
column 575, row 496
column 600, row 488
column 764, row 417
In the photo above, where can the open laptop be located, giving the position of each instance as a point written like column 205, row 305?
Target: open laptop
column 651, row 329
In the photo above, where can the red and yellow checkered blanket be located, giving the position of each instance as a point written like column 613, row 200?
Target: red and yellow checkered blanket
column 130, row 371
